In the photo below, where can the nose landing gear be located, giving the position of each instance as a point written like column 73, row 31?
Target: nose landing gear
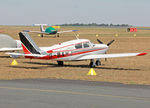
column 93, row 64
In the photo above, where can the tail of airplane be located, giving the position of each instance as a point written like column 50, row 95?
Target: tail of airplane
column 28, row 45
column 41, row 27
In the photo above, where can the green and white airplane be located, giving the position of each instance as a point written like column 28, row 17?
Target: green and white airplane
column 49, row 30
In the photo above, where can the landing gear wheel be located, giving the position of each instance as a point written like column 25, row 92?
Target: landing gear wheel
column 98, row 63
column 92, row 64
column 60, row 63
column 57, row 35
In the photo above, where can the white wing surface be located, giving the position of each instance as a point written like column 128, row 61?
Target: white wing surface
column 35, row 32
column 67, row 31
column 98, row 56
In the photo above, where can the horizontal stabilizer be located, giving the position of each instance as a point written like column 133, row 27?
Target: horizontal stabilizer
column 9, row 49
column 21, row 54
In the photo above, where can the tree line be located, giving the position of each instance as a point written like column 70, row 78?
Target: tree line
column 95, row 24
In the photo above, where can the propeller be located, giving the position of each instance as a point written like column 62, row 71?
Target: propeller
column 109, row 43
column 100, row 41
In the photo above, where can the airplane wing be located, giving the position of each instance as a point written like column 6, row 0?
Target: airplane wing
column 67, row 31
column 98, row 56
column 22, row 54
column 9, row 49
column 35, row 32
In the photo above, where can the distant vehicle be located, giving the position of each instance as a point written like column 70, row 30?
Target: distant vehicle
column 49, row 31
column 74, row 50
column 9, row 44
column 132, row 29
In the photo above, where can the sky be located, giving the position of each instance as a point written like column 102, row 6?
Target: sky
column 22, row 12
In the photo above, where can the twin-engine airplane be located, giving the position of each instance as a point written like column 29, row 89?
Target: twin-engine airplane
column 74, row 50
column 48, row 31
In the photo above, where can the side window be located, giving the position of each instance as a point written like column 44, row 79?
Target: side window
column 77, row 46
column 58, row 54
column 86, row 45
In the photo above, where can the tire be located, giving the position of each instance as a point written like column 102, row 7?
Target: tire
column 98, row 63
column 60, row 63
column 92, row 64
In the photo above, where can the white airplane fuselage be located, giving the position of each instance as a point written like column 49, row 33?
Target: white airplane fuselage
column 72, row 50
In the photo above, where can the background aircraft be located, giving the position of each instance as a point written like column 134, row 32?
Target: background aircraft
column 74, row 50
column 49, row 30
column 9, row 44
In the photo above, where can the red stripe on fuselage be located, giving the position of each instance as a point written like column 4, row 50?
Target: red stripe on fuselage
column 61, row 56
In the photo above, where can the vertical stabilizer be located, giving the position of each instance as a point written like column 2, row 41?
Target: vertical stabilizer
column 28, row 45
column 41, row 27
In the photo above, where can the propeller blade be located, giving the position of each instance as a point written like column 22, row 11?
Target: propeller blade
column 99, row 41
column 110, row 42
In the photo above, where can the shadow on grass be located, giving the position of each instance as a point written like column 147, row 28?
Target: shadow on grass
column 49, row 65
column 4, row 56
column 29, row 67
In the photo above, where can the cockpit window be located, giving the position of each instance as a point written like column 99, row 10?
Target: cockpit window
column 77, row 46
column 86, row 45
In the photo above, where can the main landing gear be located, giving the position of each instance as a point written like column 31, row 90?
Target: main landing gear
column 93, row 64
column 60, row 63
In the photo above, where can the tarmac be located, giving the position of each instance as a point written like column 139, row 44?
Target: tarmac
column 53, row 93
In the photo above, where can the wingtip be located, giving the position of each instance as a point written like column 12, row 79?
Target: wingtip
column 141, row 54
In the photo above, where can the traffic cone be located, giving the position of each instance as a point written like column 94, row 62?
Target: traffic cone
column 91, row 72
column 78, row 35
column 97, row 35
column 39, row 35
column 134, row 35
column 116, row 35
column 14, row 63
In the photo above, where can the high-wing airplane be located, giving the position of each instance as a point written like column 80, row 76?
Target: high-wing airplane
column 8, row 44
column 74, row 50
column 48, row 31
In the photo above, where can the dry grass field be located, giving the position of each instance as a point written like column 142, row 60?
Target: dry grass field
column 131, row 70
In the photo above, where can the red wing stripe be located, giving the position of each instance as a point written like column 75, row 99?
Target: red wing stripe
column 141, row 54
